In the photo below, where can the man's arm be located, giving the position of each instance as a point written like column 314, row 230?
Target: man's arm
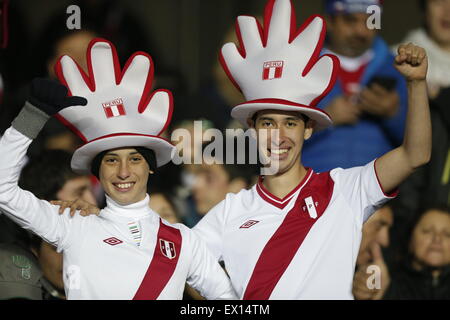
column 395, row 166
column 205, row 273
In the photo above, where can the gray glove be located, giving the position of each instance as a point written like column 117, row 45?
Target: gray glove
column 47, row 97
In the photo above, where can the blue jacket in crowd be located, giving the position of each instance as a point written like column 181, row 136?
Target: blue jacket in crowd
column 355, row 145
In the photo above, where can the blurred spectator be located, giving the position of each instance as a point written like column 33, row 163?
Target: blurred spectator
column 50, row 177
column 181, row 177
column 434, row 37
column 425, row 271
column 213, row 181
column 367, row 103
column 20, row 275
column 163, row 205
column 375, row 230
column 375, row 235
column 430, row 184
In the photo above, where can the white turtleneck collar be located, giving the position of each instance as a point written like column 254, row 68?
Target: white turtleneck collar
column 133, row 211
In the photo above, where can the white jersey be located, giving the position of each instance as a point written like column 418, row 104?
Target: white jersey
column 303, row 246
column 127, row 252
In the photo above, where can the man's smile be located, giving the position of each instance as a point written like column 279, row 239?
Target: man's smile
column 123, row 186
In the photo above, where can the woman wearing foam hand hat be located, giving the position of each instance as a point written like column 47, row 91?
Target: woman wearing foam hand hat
column 301, row 229
column 127, row 251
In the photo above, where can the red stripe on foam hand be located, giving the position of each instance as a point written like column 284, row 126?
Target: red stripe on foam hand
column 121, row 109
column 109, row 112
column 287, row 239
column 278, row 72
column 161, row 268
column 266, row 74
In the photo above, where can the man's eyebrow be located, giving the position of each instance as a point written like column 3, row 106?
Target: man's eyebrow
column 115, row 154
column 265, row 118
column 287, row 118
column 293, row 118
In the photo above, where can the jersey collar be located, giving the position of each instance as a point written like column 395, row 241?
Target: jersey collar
column 274, row 200
column 133, row 211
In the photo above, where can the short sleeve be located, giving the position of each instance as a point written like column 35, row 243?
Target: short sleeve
column 361, row 188
column 205, row 273
column 210, row 229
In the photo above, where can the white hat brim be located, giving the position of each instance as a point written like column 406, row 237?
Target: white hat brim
column 83, row 156
column 244, row 111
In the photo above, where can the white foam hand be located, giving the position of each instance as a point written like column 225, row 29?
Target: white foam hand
column 116, row 99
column 278, row 61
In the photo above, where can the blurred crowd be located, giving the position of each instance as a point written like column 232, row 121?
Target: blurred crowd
column 407, row 240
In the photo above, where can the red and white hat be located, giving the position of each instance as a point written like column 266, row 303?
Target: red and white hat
column 279, row 67
column 121, row 110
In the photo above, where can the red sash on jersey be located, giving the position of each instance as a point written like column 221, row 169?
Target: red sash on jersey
column 287, row 239
column 163, row 264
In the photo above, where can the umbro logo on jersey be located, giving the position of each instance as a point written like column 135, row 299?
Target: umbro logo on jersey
column 248, row 224
column 167, row 248
column 112, row 241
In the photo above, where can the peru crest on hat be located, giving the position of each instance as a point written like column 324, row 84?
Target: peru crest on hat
column 122, row 110
column 279, row 67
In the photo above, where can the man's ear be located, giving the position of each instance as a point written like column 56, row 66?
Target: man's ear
column 251, row 120
column 309, row 129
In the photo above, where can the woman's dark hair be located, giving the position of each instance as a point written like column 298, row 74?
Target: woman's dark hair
column 420, row 213
column 46, row 174
column 425, row 209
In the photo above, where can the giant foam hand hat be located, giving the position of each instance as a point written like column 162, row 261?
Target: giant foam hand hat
column 121, row 110
column 279, row 67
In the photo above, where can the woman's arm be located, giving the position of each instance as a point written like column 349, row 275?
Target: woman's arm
column 47, row 98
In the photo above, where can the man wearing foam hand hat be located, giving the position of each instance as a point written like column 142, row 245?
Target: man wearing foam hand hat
column 296, row 233
column 127, row 252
